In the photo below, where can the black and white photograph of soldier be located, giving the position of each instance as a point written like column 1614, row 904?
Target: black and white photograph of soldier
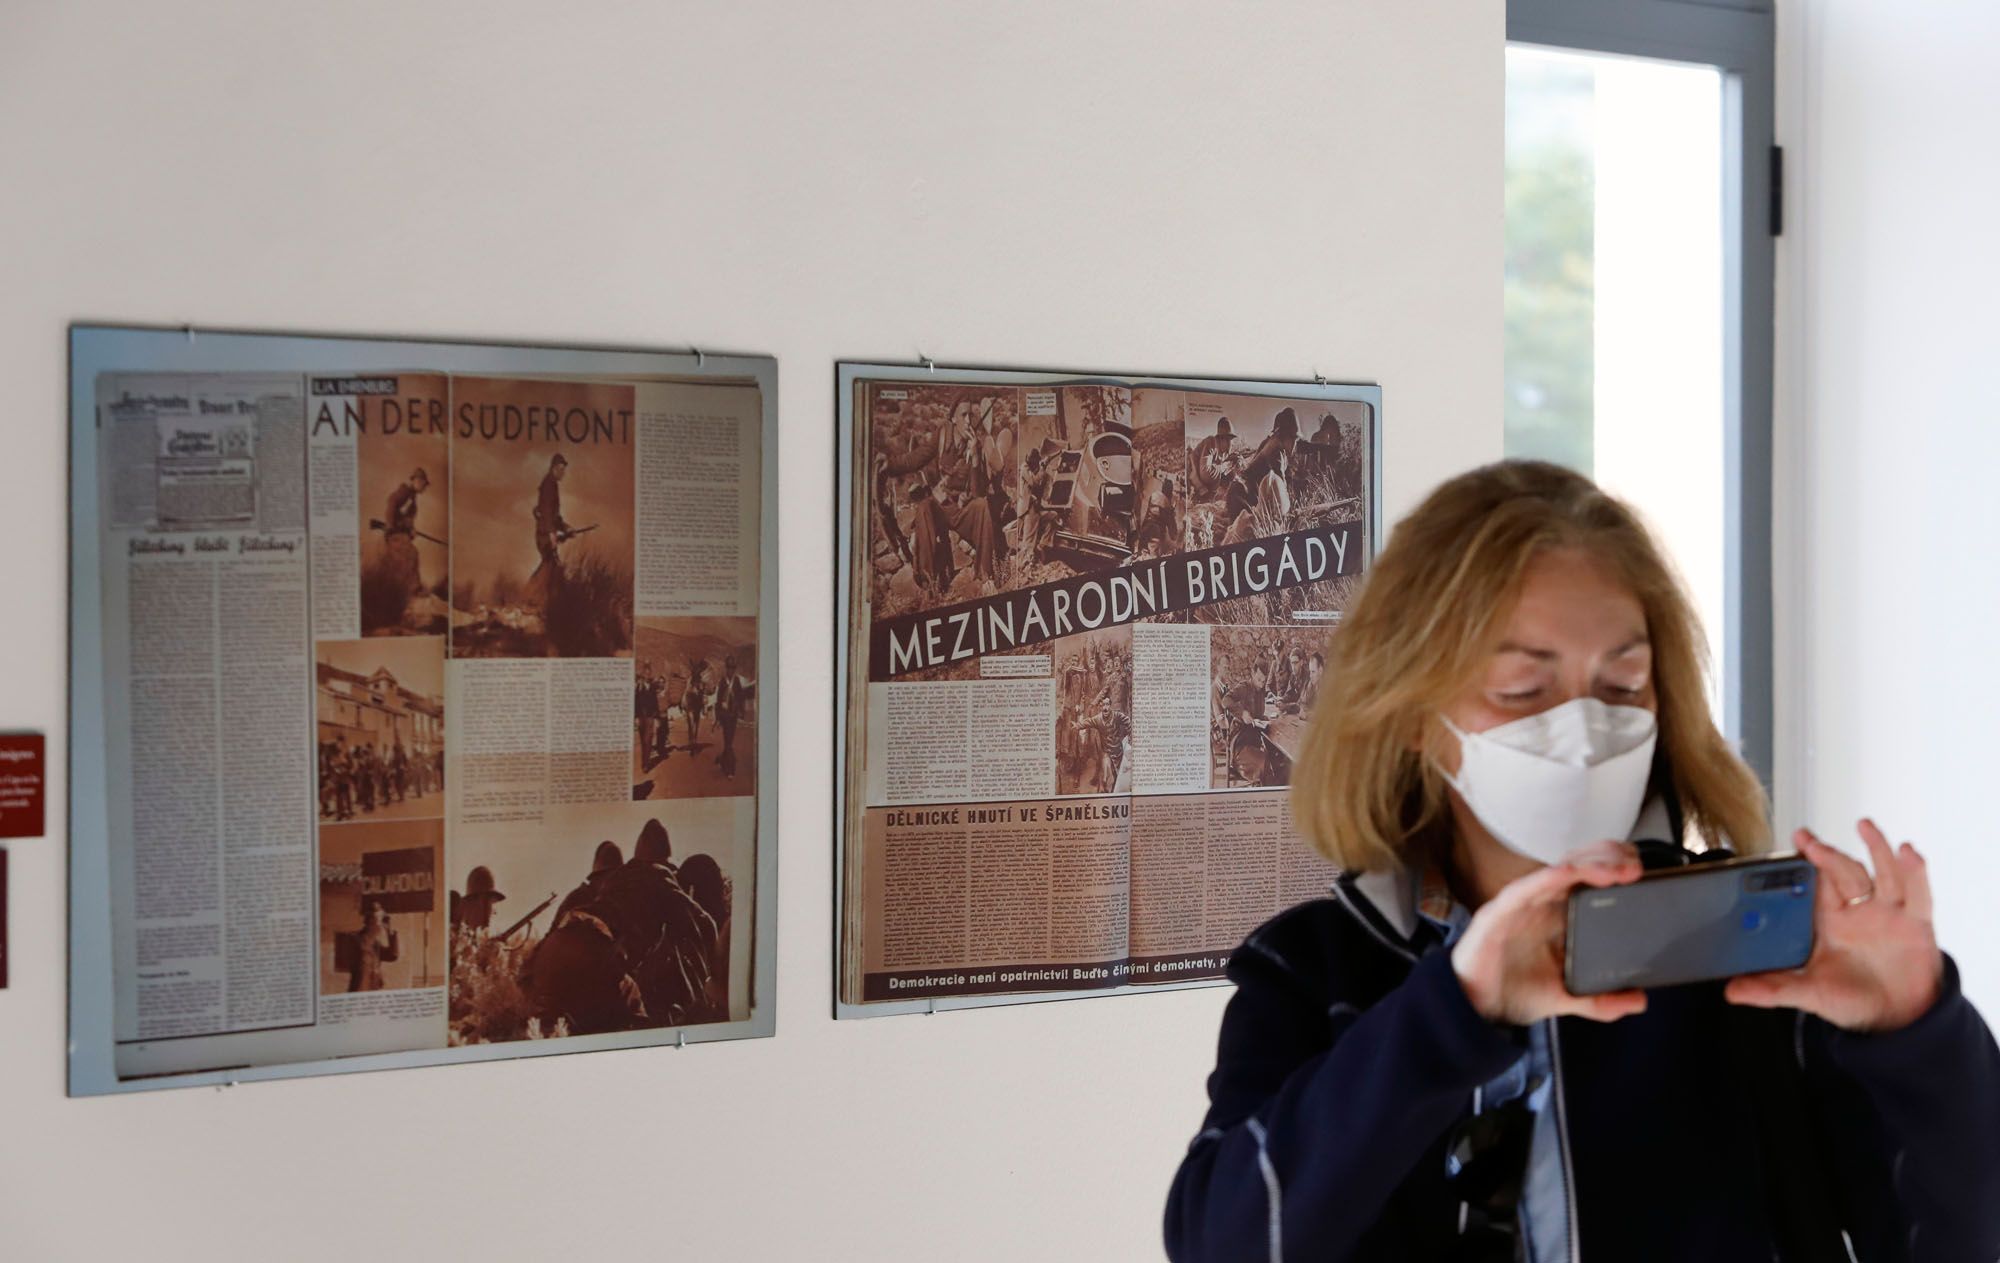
column 617, row 919
column 1262, row 682
column 1259, row 467
column 542, row 530
column 945, row 491
column 381, row 920
column 379, row 712
column 402, row 450
column 1093, row 673
column 694, row 710
column 1245, row 465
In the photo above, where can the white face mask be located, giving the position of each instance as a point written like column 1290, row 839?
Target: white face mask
column 1565, row 778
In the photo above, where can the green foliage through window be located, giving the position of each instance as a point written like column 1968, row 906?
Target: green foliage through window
column 1548, row 286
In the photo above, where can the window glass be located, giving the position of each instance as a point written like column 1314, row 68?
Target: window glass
column 1613, row 290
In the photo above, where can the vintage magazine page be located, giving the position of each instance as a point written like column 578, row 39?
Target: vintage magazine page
column 1086, row 624
column 432, row 710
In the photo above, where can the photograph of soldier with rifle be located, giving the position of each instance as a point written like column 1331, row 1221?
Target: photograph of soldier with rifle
column 395, row 599
column 629, row 928
column 405, row 553
column 1260, row 467
column 542, row 531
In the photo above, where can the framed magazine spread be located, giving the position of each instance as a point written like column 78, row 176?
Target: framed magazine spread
column 417, row 706
column 1081, row 621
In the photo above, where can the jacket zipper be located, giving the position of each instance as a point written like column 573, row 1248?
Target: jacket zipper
column 1562, row 1138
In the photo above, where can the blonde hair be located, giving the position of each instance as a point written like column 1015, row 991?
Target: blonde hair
column 1430, row 613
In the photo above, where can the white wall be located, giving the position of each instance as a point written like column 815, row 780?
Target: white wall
column 1890, row 441
column 1258, row 189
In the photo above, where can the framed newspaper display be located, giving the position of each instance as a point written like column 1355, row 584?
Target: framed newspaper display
column 1081, row 622
column 417, row 701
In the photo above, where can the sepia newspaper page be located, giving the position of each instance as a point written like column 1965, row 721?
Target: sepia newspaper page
column 1087, row 623
column 432, row 702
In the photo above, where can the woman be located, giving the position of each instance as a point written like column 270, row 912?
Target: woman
column 1402, row 1075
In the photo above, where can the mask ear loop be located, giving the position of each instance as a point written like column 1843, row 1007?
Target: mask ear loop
column 1464, row 739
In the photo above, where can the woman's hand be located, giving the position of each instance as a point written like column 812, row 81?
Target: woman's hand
column 1875, row 964
column 1510, row 958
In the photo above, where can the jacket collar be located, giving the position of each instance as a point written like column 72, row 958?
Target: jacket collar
column 1386, row 899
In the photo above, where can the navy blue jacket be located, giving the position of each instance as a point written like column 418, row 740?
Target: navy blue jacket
column 1697, row 1130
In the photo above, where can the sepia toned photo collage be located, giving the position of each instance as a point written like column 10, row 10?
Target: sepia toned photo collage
column 569, row 851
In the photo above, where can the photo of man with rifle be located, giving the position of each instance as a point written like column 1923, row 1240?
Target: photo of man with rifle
column 630, row 935
column 543, row 503
column 395, row 598
column 400, row 449
column 551, row 533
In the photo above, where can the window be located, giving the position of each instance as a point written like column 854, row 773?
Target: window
column 1638, row 290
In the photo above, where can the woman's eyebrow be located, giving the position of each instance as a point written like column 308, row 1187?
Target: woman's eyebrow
column 1637, row 642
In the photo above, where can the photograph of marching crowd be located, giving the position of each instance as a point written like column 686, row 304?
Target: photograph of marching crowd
column 603, row 919
column 381, row 924
column 1263, row 681
column 402, row 459
column 1094, row 712
column 1258, row 467
column 542, row 562
column 694, row 710
column 380, row 716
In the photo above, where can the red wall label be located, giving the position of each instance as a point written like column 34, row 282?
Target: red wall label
column 22, row 781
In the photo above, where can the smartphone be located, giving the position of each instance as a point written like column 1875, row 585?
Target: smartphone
column 1690, row 924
